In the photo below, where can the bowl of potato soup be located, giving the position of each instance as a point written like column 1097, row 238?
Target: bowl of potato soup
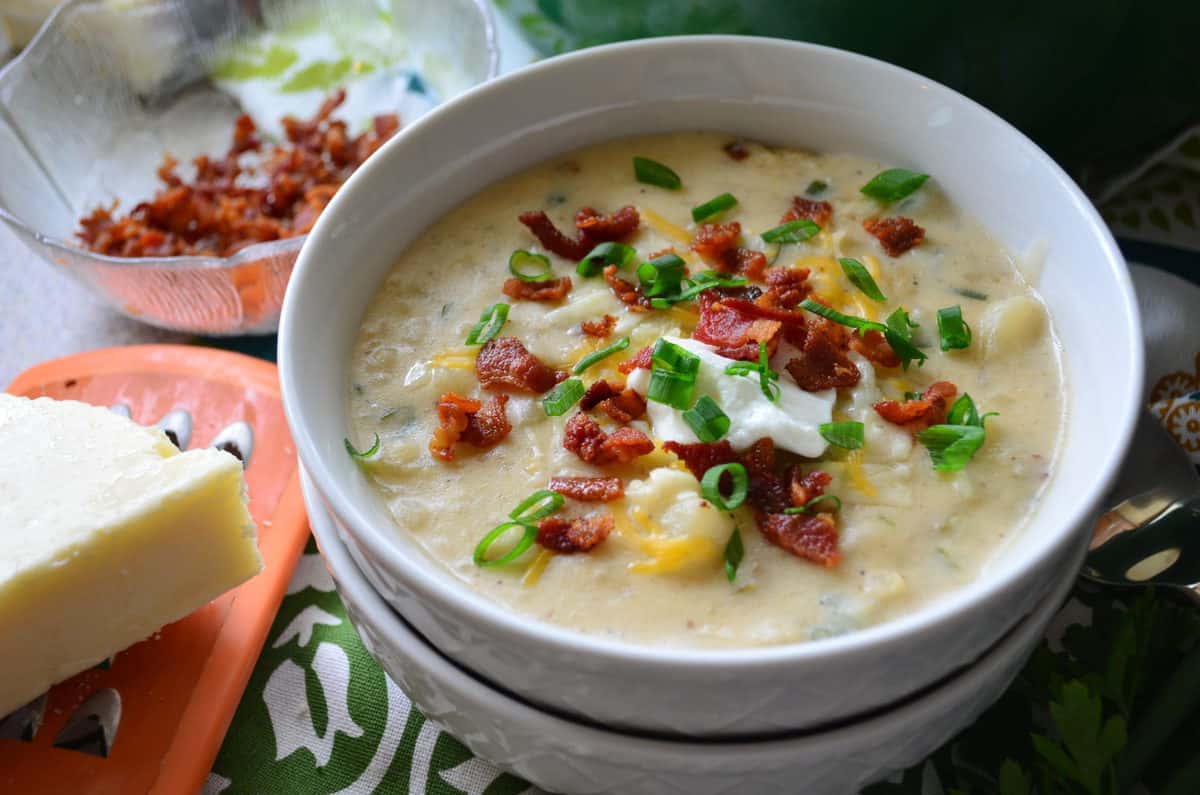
column 712, row 386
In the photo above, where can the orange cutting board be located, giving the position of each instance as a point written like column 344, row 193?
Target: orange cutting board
column 177, row 691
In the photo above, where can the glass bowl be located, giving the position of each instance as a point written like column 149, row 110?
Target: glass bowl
column 108, row 87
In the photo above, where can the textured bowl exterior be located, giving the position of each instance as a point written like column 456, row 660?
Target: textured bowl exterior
column 781, row 92
column 562, row 756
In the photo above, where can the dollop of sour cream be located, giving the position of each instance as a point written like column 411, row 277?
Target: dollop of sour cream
column 793, row 421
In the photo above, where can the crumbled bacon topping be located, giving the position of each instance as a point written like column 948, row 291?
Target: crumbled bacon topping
column 504, row 363
column 803, row 487
column 623, row 405
column 481, row 425
column 593, row 229
column 218, row 213
column 579, row 534
column 734, row 333
column 736, row 150
column 599, row 328
column 584, row 437
column 786, row 288
column 586, row 489
column 702, row 456
column 875, row 347
column 817, row 212
column 642, row 360
column 767, row 490
column 823, row 362
column 897, row 234
column 548, row 291
column 810, row 536
column 917, row 415
column 626, row 293
column 712, row 241
column 746, row 261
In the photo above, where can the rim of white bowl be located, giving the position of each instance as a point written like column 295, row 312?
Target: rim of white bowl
column 441, row 588
column 350, row 578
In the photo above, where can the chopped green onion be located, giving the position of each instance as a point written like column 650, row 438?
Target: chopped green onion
column 861, row 278
column 662, row 275
column 951, row 446
column 914, row 396
column 610, row 253
column 529, row 535
column 652, row 172
column 672, row 375
column 707, row 420
column 808, row 506
column 734, row 552
column 365, row 454
column 603, row 353
column 562, row 397
column 900, row 323
column 893, row 184
column 705, row 280
column 489, row 325
column 963, row 412
column 792, row 232
column 713, row 207
column 529, row 267
column 546, row 502
column 847, row 435
column 898, row 337
column 954, row 332
column 674, row 357
column 974, row 295
column 710, row 486
column 767, row 377
column 815, row 187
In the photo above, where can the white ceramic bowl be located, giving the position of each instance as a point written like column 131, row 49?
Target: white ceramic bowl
column 565, row 756
column 782, row 92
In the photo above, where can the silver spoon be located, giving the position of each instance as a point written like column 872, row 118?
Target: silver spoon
column 1152, row 535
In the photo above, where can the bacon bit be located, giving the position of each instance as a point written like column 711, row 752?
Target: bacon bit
column 584, row 437
column 747, row 261
column 589, row 489
column 873, row 345
column 504, row 363
column 217, row 214
column 597, row 393
column 897, row 234
column 735, row 334
column 917, row 415
column 802, row 488
column 623, row 405
column 767, row 491
column 580, row 534
column 786, row 288
column 810, row 536
column 626, row 293
column 736, row 150
column 713, row 241
column 481, row 425
column 594, row 229
column 599, row 328
column 642, row 360
column 548, row 291
column 702, row 456
column 823, row 363
column 817, row 212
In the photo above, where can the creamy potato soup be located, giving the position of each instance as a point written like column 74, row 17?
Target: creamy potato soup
column 688, row 391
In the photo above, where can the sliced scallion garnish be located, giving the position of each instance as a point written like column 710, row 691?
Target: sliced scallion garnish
column 661, row 276
column 672, row 375
column 792, row 232
column 365, row 454
column 861, row 278
column 734, row 552
column 767, row 378
column 603, row 353
column 489, row 325
column 847, row 435
column 900, row 323
column 543, row 502
column 901, row 341
column 713, row 206
column 953, row 331
column 808, row 506
column 651, row 172
column 951, row 446
column 815, row 187
column 528, row 536
column 710, row 486
column 894, row 184
column 562, row 397
column 610, row 253
column 529, row 267
column 705, row 280
column 707, row 420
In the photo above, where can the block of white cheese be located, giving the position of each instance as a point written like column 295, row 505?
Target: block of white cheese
column 793, row 421
column 107, row 532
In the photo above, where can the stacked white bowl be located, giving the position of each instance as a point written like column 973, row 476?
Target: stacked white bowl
column 843, row 709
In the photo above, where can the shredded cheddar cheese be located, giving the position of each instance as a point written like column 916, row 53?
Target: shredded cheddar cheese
column 459, row 359
column 856, row 474
column 666, row 553
column 665, row 227
column 537, row 568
